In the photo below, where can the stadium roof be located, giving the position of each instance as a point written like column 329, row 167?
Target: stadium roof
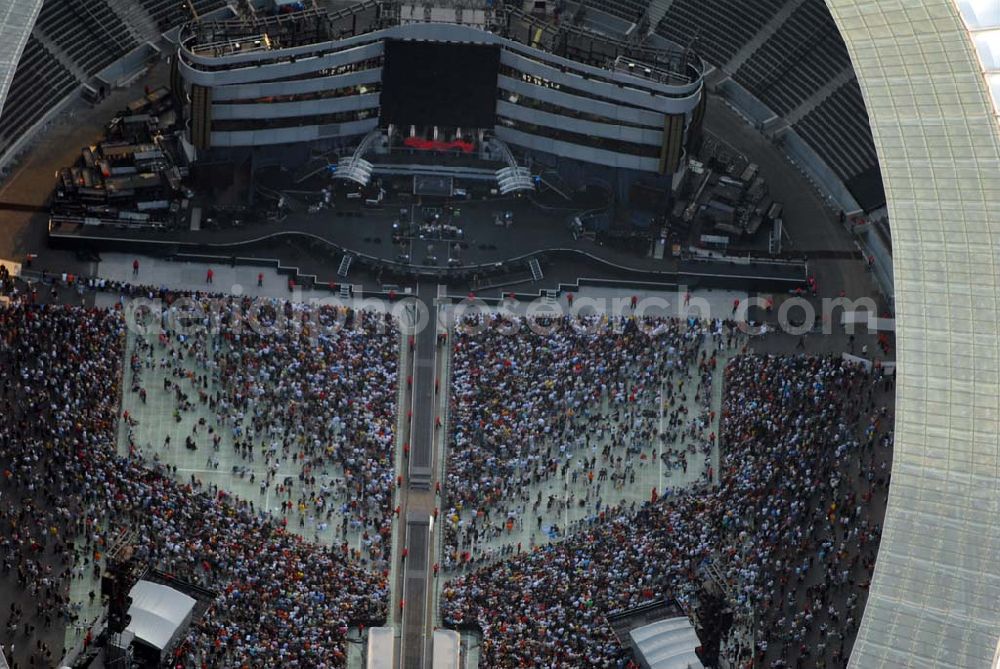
column 935, row 596
column 17, row 17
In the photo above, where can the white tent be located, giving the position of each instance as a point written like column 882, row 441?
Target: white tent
column 160, row 615
column 667, row 644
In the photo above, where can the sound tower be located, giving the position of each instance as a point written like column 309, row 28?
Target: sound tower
column 119, row 577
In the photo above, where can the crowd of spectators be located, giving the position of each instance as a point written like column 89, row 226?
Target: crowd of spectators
column 281, row 601
column 312, row 392
column 577, row 400
column 785, row 533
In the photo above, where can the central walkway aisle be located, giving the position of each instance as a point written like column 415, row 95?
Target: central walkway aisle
column 418, row 554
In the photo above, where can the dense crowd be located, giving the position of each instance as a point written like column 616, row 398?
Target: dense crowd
column 308, row 400
column 281, row 601
column 785, row 532
column 577, row 400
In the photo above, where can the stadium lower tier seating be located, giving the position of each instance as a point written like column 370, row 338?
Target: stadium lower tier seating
column 804, row 54
column 85, row 37
column 170, row 13
column 838, row 130
column 39, row 83
column 797, row 60
column 88, row 31
column 630, row 10
column 722, row 27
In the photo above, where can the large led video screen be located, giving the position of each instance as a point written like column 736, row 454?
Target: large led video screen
column 442, row 84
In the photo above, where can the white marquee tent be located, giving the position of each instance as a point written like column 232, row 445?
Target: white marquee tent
column 160, row 614
column 667, row 644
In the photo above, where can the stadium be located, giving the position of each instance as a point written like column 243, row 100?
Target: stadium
column 620, row 333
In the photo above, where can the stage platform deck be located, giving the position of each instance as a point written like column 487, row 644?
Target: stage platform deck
column 484, row 247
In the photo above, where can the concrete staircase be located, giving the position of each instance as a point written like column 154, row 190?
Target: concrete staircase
column 657, row 10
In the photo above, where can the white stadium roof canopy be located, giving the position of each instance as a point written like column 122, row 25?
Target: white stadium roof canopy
column 935, row 597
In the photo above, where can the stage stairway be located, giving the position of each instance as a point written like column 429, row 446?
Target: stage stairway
column 513, row 178
column 354, row 167
column 345, row 265
column 536, row 269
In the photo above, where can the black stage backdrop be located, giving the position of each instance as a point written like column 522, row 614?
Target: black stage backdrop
column 442, row 84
